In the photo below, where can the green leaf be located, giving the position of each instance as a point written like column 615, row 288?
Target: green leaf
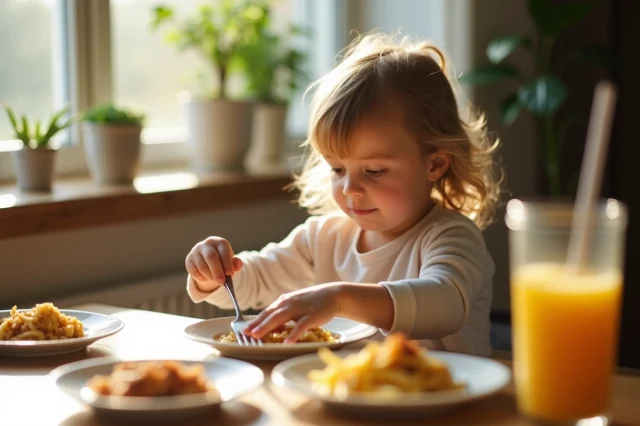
column 25, row 129
column 553, row 17
column 510, row 108
column 488, row 74
column 111, row 114
column 500, row 48
column 12, row 118
column 21, row 134
column 543, row 96
column 600, row 56
column 37, row 131
column 161, row 14
column 59, row 114
column 173, row 36
column 54, row 127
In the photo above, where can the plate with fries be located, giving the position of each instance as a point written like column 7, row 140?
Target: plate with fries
column 332, row 335
column 394, row 377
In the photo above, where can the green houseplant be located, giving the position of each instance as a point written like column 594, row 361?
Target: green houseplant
column 273, row 66
column 219, row 127
column 111, row 114
column 112, row 143
column 34, row 162
column 541, row 90
column 274, row 70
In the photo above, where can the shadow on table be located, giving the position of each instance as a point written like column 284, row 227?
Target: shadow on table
column 29, row 365
column 230, row 414
column 492, row 413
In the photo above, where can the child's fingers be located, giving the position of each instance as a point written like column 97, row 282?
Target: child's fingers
column 274, row 321
column 237, row 264
column 213, row 264
column 202, row 267
column 193, row 270
column 258, row 319
column 302, row 325
column 225, row 253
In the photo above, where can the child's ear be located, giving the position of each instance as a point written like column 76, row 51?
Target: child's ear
column 437, row 165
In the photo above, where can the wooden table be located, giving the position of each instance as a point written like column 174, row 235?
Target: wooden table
column 29, row 398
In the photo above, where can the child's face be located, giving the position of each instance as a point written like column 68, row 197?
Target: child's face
column 385, row 183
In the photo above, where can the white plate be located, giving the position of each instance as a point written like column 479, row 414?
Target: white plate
column 482, row 376
column 96, row 326
column 231, row 377
column 204, row 331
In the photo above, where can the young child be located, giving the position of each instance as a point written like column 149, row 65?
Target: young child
column 399, row 186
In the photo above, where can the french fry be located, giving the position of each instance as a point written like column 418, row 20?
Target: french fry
column 388, row 370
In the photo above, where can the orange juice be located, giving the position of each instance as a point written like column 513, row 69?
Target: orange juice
column 565, row 339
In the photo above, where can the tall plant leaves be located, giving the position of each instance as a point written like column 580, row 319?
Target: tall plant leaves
column 500, row 48
column 544, row 95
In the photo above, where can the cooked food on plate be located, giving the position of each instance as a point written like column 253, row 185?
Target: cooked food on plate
column 278, row 336
column 386, row 369
column 152, row 378
column 42, row 322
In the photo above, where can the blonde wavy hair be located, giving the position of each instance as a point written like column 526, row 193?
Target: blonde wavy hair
column 375, row 71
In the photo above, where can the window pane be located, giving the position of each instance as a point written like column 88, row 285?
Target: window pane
column 148, row 73
column 26, row 60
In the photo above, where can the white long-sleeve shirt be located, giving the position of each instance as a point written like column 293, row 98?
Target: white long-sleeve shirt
column 438, row 273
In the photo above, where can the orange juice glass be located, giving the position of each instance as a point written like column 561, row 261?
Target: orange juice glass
column 565, row 323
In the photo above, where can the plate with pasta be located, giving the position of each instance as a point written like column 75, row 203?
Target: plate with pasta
column 47, row 330
column 336, row 333
column 156, row 389
column 393, row 377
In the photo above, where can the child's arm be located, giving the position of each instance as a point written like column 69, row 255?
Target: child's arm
column 277, row 268
column 454, row 271
column 432, row 306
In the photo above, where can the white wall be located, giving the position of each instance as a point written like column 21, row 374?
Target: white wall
column 64, row 263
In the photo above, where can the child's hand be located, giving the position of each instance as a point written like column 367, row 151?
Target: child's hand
column 311, row 307
column 209, row 261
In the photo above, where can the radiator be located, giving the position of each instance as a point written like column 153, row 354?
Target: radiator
column 166, row 294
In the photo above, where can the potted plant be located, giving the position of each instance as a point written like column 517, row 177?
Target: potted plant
column 541, row 90
column 274, row 71
column 112, row 143
column 219, row 126
column 34, row 162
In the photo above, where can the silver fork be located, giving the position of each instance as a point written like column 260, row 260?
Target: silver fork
column 238, row 324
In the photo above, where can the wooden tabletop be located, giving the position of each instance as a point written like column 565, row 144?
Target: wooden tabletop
column 29, row 398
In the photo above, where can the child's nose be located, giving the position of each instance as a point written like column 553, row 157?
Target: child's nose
column 352, row 186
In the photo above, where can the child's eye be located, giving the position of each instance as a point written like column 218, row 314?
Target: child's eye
column 336, row 170
column 375, row 172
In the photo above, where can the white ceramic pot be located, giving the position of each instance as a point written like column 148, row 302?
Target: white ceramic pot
column 34, row 169
column 268, row 134
column 112, row 152
column 219, row 133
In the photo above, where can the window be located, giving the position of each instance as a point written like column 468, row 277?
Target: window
column 148, row 74
column 89, row 52
column 28, row 80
